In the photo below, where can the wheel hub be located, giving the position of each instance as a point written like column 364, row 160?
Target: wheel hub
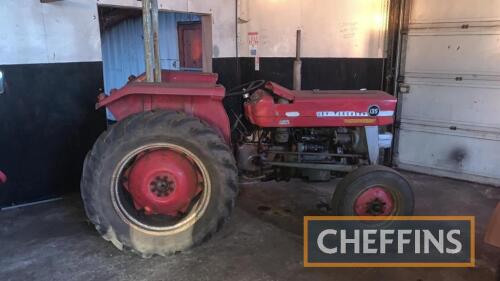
column 162, row 182
column 375, row 207
column 162, row 186
column 375, row 201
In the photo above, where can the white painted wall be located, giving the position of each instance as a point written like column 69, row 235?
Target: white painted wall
column 68, row 31
column 223, row 19
column 32, row 32
column 330, row 28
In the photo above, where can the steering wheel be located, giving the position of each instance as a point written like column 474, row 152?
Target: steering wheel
column 246, row 88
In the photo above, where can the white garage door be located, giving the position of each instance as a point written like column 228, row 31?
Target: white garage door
column 450, row 119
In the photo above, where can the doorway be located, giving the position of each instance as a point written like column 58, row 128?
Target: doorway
column 449, row 94
column 122, row 43
column 123, row 47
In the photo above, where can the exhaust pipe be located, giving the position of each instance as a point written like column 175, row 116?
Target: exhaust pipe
column 297, row 64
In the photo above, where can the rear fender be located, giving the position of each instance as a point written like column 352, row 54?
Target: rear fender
column 202, row 100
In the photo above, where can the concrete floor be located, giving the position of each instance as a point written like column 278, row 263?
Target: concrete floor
column 262, row 241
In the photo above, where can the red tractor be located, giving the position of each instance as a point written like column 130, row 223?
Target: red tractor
column 165, row 176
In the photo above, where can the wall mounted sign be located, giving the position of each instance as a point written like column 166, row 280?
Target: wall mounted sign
column 253, row 44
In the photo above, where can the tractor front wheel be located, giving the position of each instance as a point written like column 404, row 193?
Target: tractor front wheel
column 158, row 183
column 373, row 191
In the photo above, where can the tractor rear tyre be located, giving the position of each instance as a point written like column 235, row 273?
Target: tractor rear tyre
column 159, row 182
column 373, row 191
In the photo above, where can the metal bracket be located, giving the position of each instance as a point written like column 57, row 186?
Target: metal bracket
column 371, row 133
column 404, row 88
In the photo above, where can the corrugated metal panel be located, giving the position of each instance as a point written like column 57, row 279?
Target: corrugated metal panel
column 449, row 120
column 123, row 49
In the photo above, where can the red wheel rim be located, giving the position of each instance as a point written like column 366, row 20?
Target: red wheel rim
column 374, row 201
column 161, row 187
column 162, row 182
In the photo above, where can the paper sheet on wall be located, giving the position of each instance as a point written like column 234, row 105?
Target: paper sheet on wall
column 253, row 43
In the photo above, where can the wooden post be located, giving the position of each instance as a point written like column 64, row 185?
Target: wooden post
column 156, row 44
column 146, row 24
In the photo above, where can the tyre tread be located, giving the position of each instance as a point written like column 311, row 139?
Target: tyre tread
column 158, row 121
